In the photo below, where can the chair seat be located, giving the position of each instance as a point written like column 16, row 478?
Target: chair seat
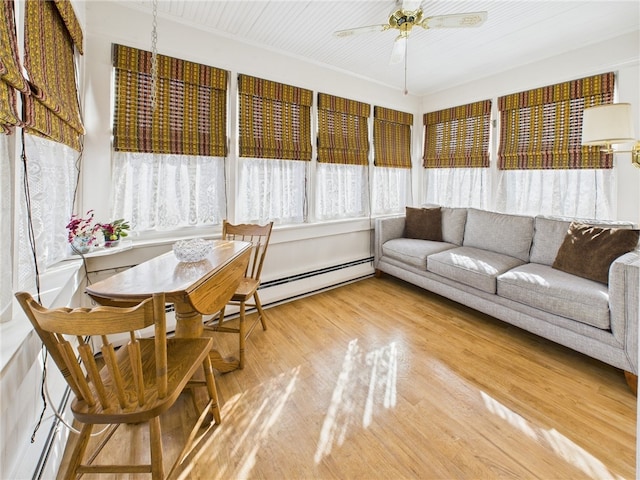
column 184, row 358
column 245, row 290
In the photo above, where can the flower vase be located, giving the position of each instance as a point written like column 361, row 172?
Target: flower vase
column 108, row 243
column 81, row 244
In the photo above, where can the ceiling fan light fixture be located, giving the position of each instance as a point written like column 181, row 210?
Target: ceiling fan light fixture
column 398, row 50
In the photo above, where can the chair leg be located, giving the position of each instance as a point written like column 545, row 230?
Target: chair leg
column 155, row 439
column 211, row 389
column 241, row 335
column 220, row 319
column 78, row 451
column 260, row 310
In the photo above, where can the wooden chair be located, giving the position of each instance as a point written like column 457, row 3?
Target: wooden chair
column 259, row 236
column 137, row 382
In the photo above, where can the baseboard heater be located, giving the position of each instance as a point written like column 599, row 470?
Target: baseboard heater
column 286, row 289
column 315, row 273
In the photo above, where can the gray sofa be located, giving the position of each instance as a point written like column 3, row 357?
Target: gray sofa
column 501, row 265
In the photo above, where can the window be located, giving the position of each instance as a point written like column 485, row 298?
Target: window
column 6, row 244
column 543, row 166
column 456, row 155
column 168, row 163
column 275, row 149
column 392, row 159
column 343, row 158
column 54, row 141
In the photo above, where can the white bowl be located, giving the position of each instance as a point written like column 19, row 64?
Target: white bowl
column 192, row 250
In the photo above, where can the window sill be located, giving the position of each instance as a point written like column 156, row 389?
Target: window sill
column 57, row 287
column 102, row 251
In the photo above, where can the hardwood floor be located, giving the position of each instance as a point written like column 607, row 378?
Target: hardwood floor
column 379, row 379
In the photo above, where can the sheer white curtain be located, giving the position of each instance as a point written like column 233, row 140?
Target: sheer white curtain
column 391, row 190
column 457, row 187
column 6, row 244
column 578, row 193
column 271, row 190
column 342, row 191
column 51, row 176
column 164, row 191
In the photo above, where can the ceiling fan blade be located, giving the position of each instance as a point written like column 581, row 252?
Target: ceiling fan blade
column 411, row 5
column 456, row 20
column 399, row 50
column 358, row 30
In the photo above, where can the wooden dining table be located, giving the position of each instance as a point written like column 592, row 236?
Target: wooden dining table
column 195, row 288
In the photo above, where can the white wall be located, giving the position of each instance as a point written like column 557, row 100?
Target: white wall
column 620, row 54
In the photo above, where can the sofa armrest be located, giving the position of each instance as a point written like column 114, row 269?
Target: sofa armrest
column 624, row 303
column 386, row 229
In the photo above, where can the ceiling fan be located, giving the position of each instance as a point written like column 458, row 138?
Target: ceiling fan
column 409, row 14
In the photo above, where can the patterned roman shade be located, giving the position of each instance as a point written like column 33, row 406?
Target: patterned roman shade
column 542, row 128
column 457, row 137
column 190, row 117
column 11, row 79
column 275, row 119
column 343, row 130
column 392, row 138
column 52, row 110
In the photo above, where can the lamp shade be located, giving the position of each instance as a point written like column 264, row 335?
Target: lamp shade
column 607, row 124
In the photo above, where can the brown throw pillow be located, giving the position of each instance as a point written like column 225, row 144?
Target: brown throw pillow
column 588, row 251
column 423, row 223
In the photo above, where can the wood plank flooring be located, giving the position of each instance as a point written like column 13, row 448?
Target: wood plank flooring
column 381, row 380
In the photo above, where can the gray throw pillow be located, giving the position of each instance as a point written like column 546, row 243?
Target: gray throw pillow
column 453, row 221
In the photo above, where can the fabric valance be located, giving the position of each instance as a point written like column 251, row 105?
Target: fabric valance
column 457, row 137
column 71, row 22
column 343, row 130
column 275, row 119
column 190, row 117
column 11, row 79
column 392, row 138
column 542, row 128
column 52, row 109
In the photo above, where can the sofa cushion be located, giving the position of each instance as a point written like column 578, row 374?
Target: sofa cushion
column 412, row 251
column 588, row 251
column 472, row 266
column 499, row 232
column 557, row 292
column 549, row 233
column 453, row 221
column 423, row 223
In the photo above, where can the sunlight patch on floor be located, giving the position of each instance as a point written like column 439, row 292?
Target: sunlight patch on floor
column 561, row 445
column 254, row 416
column 367, row 380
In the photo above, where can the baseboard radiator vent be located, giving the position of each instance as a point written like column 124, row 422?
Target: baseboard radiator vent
column 314, row 273
column 286, row 289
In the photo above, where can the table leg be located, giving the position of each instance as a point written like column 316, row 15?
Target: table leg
column 189, row 325
column 223, row 365
column 188, row 321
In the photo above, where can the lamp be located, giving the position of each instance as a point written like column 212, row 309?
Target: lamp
column 608, row 125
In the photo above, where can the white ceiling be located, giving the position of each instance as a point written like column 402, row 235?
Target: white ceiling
column 516, row 32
